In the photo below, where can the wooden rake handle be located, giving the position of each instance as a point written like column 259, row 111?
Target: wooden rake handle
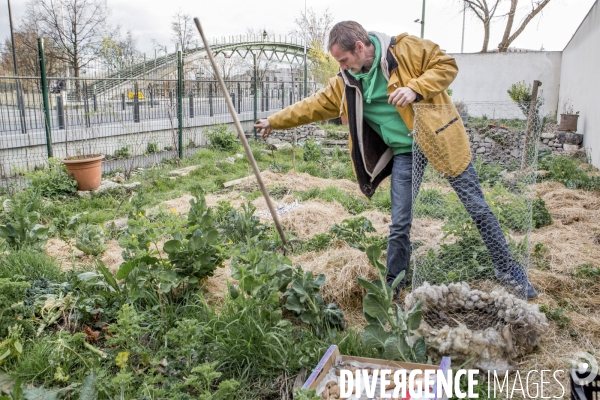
column 241, row 134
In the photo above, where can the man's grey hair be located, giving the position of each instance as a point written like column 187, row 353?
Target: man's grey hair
column 345, row 34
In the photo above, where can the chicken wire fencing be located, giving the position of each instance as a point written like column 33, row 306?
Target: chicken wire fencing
column 473, row 277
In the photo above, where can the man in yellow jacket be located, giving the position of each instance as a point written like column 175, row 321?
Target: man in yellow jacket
column 380, row 78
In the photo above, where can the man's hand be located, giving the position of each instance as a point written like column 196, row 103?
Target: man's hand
column 402, row 97
column 263, row 125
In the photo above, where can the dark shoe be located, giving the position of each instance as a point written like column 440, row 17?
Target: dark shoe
column 516, row 279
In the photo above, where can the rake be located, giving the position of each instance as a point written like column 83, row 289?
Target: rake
column 241, row 135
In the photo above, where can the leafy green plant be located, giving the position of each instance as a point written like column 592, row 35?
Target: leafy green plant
column 557, row 315
column 261, row 275
column 390, row 330
column 152, row 148
column 221, row 138
column 23, row 230
column 488, row 173
column 318, row 242
column 521, row 94
column 313, row 152
column 12, row 310
column 569, row 172
column 304, row 300
column 538, row 256
column 306, row 394
column 196, row 252
column 355, row 232
column 12, row 346
column 222, row 211
column 238, row 226
column 202, row 380
column 123, row 152
column 540, row 215
column 90, row 239
column 54, row 181
column 587, row 271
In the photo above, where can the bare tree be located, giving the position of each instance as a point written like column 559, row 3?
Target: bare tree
column 536, row 7
column 264, row 60
column 120, row 52
column 485, row 11
column 77, row 27
column 229, row 65
column 182, row 30
column 27, row 53
column 314, row 27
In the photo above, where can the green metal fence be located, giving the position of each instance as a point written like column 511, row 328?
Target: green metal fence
column 135, row 121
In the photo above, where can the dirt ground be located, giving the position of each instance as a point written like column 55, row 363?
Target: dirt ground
column 572, row 240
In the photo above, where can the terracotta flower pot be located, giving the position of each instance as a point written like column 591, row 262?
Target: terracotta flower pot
column 86, row 170
column 568, row 122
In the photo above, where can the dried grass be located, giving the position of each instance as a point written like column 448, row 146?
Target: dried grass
column 216, row 285
column 70, row 256
column 310, row 218
column 303, row 182
column 341, row 265
column 428, row 231
column 381, row 222
column 573, row 237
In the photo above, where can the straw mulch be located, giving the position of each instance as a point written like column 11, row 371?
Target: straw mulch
column 306, row 220
column 572, row 240
column 341, row 264
column 69, row 256
column 303, row 182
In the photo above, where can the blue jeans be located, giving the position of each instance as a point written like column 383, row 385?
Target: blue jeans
column 466, row 186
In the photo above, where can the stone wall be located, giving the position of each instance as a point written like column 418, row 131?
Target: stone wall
column 300, row 134
column 503, row 146
column 494, row 143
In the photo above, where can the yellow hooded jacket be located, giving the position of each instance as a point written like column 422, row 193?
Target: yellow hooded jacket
column 438, row 130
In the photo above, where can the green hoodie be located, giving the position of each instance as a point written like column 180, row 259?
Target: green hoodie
column 381, row 116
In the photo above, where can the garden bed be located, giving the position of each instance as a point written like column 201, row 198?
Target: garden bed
column 209, row 324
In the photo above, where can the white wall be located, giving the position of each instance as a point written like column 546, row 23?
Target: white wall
column 485, row 78
column 580, row 80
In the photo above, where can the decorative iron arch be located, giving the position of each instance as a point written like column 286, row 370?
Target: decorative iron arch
column 286, row 49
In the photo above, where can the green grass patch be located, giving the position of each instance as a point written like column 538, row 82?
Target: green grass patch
column 569, row 172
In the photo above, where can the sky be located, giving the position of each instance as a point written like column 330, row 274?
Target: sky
column 150, row 19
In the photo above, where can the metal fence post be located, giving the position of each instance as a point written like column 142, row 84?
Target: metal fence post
column 267, row 92
column 122, row 101
column 239, row 93
column 136, row 103
column 86, row 105
column 262, row 97
column 60, row 112
column 180, row 101
column 45, row 97
column 210, row 100
column 191, row 105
